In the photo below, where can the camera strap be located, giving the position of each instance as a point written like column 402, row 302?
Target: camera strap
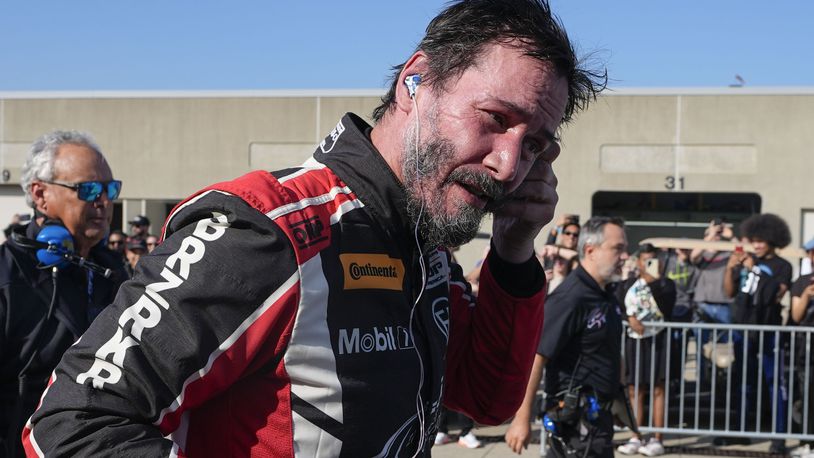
column 574, row 373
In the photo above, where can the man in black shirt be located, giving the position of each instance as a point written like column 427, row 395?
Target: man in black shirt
column 802, row 293
column 581, row 343
column 757, row 283
column 802, row 314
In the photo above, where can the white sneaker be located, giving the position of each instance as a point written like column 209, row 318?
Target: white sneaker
column 469, row 441
column 631, row 447
column 442, row 438
column 800, row 451
column 653, row 448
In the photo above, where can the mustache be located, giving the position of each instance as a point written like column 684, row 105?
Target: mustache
column 488, row 186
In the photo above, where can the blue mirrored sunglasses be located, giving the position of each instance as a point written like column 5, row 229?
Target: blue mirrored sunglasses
column 90, row 191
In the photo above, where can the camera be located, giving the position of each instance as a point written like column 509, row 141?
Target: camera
column 567, row 408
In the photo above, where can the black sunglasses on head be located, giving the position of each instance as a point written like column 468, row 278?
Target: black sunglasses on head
column 90, row 191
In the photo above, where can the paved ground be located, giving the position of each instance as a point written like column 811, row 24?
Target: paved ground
column 494, row 447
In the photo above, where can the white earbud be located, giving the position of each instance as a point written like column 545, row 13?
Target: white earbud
column 412, row 82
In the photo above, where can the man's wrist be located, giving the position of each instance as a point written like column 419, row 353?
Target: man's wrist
column 522, row 416
column 515, row 253
column 520, row 279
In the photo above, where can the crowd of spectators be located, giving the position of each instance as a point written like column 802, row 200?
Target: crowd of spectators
column 133, row 246
column 677, row 285
column 711, row 286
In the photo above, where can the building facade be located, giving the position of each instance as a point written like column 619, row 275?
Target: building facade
column 668, row 160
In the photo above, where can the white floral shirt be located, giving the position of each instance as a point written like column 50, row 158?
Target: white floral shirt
column 640, row 303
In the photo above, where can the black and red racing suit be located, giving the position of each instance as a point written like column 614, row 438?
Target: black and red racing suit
column 275, row 320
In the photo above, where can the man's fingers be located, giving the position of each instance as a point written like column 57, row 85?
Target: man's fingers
column 540, row 173
column 540, row 187
column 534, row 185
column 530, row 206
column 516, row 447
column 517, row 444
column 513, row 442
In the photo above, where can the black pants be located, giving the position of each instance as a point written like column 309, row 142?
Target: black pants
column 598, row 442
column 443, row 422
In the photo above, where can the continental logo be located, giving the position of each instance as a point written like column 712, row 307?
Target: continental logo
column 372, row 271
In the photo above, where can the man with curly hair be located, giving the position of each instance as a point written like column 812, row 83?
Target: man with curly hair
column 758, row 282
column 766, row 233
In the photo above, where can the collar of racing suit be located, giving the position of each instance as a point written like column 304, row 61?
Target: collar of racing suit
column 349, row 152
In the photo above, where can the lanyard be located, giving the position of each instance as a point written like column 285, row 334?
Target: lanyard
column 90, row 288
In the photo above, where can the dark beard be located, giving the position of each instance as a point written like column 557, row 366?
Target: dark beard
column 435, row 225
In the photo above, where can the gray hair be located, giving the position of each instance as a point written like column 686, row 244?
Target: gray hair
column 39, row 164
column 593, row 232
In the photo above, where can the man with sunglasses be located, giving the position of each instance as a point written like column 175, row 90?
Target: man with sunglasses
column 117, row 241
column 43, row 310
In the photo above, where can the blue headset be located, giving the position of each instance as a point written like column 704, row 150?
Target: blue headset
column 59, row 243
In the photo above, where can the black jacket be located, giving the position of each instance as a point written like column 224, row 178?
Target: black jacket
column 25, row 296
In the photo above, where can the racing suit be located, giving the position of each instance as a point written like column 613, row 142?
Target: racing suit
column 276, row 319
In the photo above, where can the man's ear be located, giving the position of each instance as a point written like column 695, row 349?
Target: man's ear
column 415, row 65
column 37, row 190
column 589, row 249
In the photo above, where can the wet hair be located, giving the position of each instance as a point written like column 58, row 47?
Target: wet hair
column 593, row 232
column 39, row 164
column 768, row 227
column 455, row 40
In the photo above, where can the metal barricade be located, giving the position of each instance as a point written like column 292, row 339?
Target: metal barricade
column 716, row 376
column 727, row 380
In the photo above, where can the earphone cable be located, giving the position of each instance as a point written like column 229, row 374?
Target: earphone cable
column 420, row 415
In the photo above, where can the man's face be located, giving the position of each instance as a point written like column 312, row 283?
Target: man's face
column 641, row 261
column 761, row 247
column 570, row 236
column 133, row 256
column 611, row 254
column 88, row 222
column 138, row 229
column 478, row 141
column 152, row 242
column 116, row 243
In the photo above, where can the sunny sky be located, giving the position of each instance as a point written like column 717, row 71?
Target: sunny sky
column 205, row 44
